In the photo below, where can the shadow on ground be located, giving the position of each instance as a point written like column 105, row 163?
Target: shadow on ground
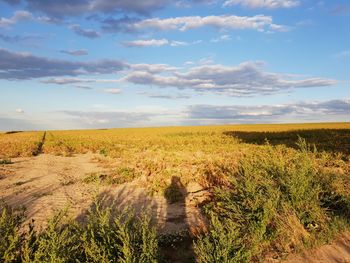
column 123, row 199
column 178, row 247
column 168, row 213
column 329, row 140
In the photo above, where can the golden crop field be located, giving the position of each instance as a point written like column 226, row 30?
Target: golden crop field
column 271, row 190
column 19, row 144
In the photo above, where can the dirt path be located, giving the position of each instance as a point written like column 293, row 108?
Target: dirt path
column 336, row 252
column 47, row 183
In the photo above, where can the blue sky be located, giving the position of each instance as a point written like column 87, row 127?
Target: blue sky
column 99, row 63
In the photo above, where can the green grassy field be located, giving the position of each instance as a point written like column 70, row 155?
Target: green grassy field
column 274, row 190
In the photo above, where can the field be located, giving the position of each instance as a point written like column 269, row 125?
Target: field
column 234, row 193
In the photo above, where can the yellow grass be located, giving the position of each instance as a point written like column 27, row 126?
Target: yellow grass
column 19, row 144
column 160, row 153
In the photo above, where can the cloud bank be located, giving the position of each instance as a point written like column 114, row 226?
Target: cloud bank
column 17, row 66
column 300, row 111
column 246, row 79
column 67, row 8
column 270, row 4
column 228, row 22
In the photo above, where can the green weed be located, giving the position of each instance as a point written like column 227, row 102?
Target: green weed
column 105, row 237
column 6, row 161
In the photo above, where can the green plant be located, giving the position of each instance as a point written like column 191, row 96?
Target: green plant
column 122, row 175
column 107, row 236
column 57, row 243
column 10, row 238
column 5, row 161
column 222, row 243
column 94, row 178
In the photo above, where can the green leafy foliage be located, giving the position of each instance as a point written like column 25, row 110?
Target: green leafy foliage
column 10, row 239
column 105, row 237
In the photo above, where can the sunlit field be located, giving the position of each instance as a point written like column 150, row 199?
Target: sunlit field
column 271, row 190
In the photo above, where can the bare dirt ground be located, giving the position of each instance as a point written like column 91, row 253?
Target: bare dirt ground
column 337, row 252
column 47, row 183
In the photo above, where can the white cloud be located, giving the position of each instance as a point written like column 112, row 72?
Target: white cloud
column 156, row 43
column 228, row 22
column 221, row 38
column 270, row 4
column 146, row 43
column 19, row 110
column 206, row 61
column 17, row 17
column 152, row 68
column 278, row 28
column 189, row 63
column 113, row 91
column 178, row 43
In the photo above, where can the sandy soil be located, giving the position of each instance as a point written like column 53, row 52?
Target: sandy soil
column 336, row 252
column 47, row 183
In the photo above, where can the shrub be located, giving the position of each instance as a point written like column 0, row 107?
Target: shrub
column 10, row 239
column 103, row 238
column 278, row 199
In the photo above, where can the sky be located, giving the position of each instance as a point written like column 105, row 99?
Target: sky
column 117, row 63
